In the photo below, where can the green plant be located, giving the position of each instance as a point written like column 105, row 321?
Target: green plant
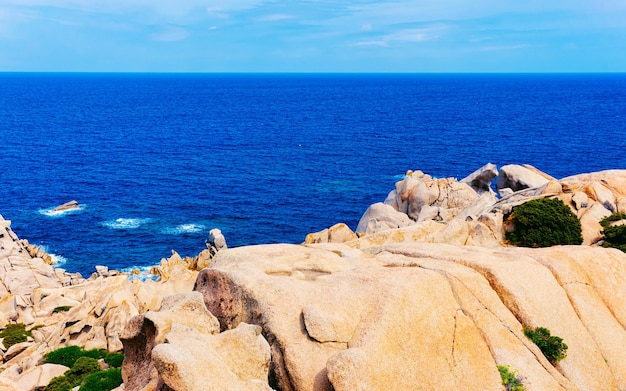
column 551, row 346
column 68, row 355
column 510, row 380
column 64, row 356
column 14, row 333
column 61, row 308
column 614, row 235
column 102, row 380
column 114, row 359
column 543, row 222
column 82, row 367
column 59, row 383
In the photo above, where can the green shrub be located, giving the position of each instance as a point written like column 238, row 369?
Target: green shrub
column 59, row 383
column 14, row 333
column 64, row 356
column 68, row 355
column 82, row 367
column 102, row 380
column 551, row 346
column 510, row 380
column 614, row 236
column 114, row 359
column 61, row 308
column 542, row 223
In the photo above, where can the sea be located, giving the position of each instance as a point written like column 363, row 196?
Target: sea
column 157, row 160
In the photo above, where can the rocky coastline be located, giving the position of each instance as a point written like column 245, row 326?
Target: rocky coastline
column 425, row 294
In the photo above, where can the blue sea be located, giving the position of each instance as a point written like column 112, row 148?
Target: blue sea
column 157, row 160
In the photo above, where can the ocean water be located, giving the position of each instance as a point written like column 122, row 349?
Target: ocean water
column 157, row 160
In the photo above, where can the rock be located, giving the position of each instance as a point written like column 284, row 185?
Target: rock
column 67, row 206
column 516, row 177
column 338, row 233
column 40, row 376
column 380, row 217
column 144, row 332
column 216, row 241
column 16, row 349
column 335, row 323
column 480, row 180
column 237, row 359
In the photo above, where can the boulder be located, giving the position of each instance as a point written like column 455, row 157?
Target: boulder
column 216, row 241
column 237, row 359
column 39, row 376
column 380, row 217
column 71, row 205
column 338, row 233
column 348, row 322
column 144, row 332
column 480, row 180
column 516, row 177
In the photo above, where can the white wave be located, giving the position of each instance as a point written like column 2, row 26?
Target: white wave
column 58, row 260
column 125, row 223
column 139, row 272
column 52, row 212
column 184, row 229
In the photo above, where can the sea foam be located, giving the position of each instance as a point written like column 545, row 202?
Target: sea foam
column 125, row 223
column 184, row 229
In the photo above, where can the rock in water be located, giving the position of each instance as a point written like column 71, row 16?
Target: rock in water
column 216, row 241
column 67, row 206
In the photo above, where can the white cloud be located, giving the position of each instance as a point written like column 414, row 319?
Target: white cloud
column 274, row 17
column 171, row 34
column 366, row 27
column 406, row 35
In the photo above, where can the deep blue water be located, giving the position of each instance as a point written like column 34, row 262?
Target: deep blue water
column 159, row 159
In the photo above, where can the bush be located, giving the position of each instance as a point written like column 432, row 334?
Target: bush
column 614, row 236
column 14, row 333
column 82, row 367
column 64, row 356
column 68, row 355
column 542, row 223
column 551, row 346
column 510, row 380
column 59, row 383
column 102, row 380
column 114, row 359
column 62, row 308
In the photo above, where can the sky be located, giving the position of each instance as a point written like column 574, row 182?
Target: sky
column 313, row 36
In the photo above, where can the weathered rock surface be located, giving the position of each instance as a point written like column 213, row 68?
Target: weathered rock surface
column 516, row 177
column 71, row 205
column 338, row 233
column 179, row 347
column 346, row 319
column 67, row 309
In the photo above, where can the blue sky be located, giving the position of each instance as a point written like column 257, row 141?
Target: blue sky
column 313, row 36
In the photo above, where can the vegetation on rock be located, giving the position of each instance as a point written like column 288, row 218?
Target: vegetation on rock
column 510, row 379
column 62, row 308
column 114, row 359
column 14, row 333
column 614, row 235
column 68, row 355
column 85, row 370
column 551, row 346
column 102, row 380
column 544, row 222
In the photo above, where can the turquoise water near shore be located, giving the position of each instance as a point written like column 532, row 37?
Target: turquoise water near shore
column 156, row 160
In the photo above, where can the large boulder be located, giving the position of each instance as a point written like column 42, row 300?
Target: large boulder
column 480, row 180
column 340, row 318
column 516, row 177
column 381, row 217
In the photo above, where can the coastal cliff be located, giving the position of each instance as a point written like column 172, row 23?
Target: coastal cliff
column 427, row 294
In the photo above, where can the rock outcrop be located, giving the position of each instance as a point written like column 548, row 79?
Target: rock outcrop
column 179, row 347
column 345, row 319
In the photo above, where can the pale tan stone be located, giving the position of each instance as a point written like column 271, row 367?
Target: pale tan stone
column 39, row 376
